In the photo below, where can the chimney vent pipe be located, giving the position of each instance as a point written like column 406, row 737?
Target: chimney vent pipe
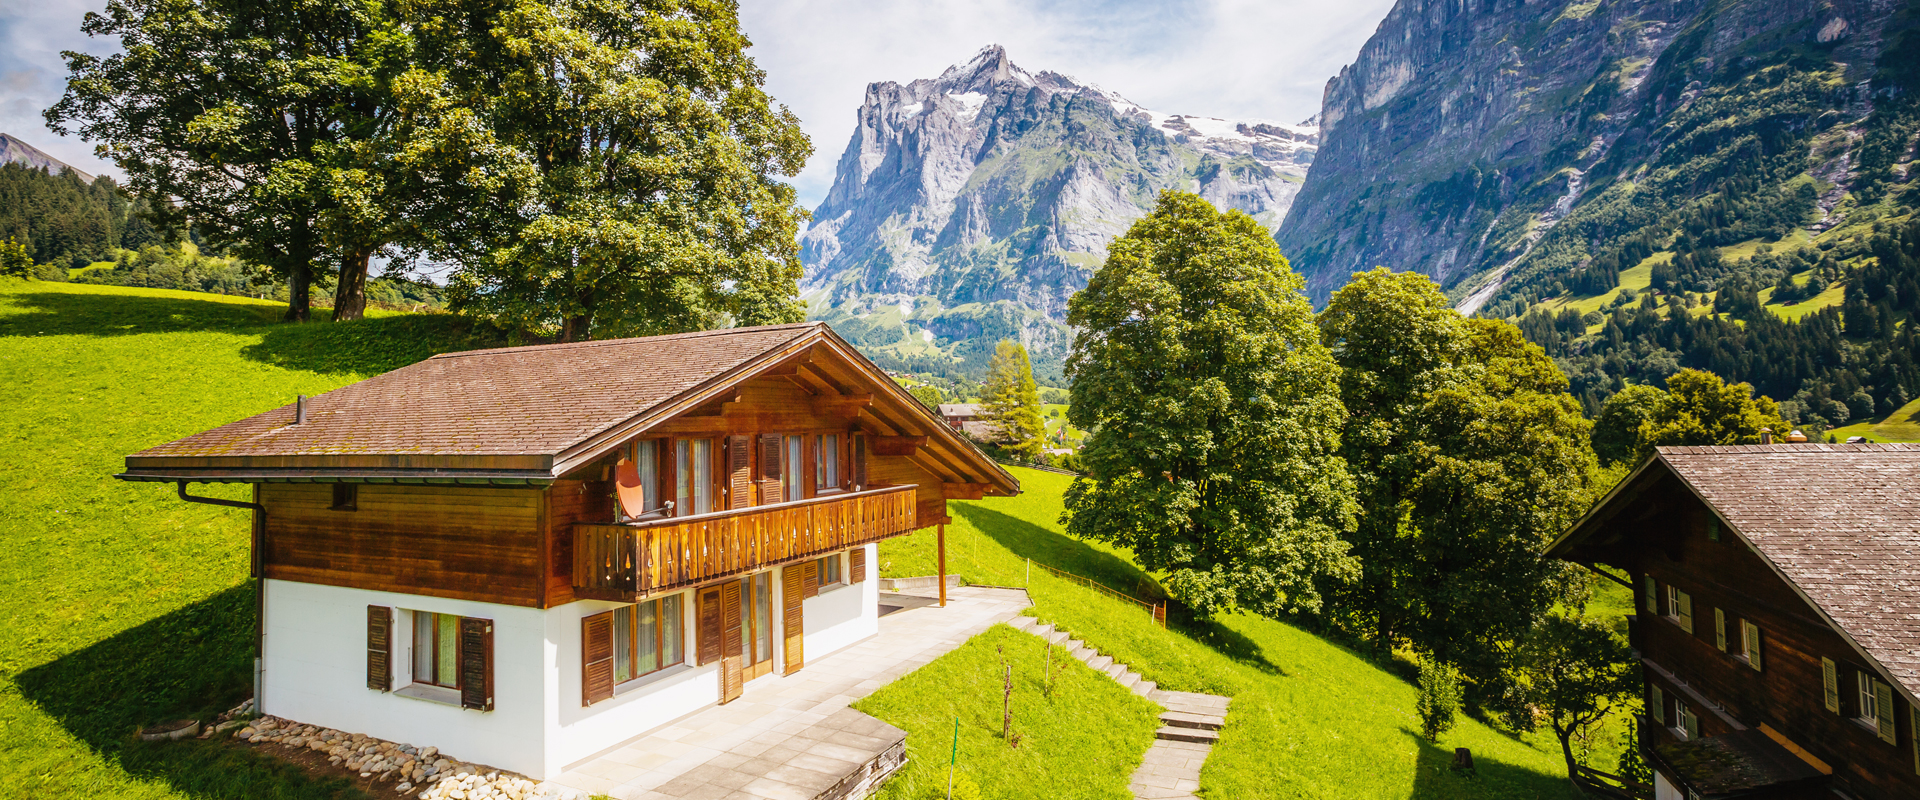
column 299, row 409
column 1766, row 436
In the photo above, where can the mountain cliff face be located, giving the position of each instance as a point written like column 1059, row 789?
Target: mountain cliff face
column 969, row 207
column 13, row 150
column 1505, row 147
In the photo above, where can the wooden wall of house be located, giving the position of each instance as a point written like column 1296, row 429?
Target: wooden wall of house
column 931, row 505
column 568, row 503
column 463, row 542
column 1788, row 692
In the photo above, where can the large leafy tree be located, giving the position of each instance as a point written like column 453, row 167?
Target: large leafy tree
column 1699, row 408
column 1576, row 671
column 1616, row 429
column 1215, row 415
column 1012, row 400
column 659, row 204
column 1469, row 456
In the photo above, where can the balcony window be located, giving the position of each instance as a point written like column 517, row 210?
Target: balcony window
column 693, row 476
column 646, row 458
column 826, row 462
column 796, row 489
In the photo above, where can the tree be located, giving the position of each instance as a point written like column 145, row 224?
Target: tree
column 658, row 205
column 1439, row 699
column 1470, row 455
column 1616, row 430
column 1214, row 414
column 928, row 395
column 1011, row 401
column 1576, row 670
column 1701, row 409
column 15, row 261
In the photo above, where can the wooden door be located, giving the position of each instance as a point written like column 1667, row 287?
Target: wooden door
column 731, row 678
column 792, row 627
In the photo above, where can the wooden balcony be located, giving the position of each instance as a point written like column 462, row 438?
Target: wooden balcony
column 630, row 561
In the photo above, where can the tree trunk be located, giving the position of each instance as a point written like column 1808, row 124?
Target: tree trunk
column 299, row 291
column 579, row 327
column 350, row 292
column 1566, row 749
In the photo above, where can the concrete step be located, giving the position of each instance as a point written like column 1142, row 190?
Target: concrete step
column 1057, row 636
column 1081, row 650
column 1114, row 670
column 1023, row 623
column 1180, row 719
column 1195, row 735
column 1100, row 662
column 1129, row 679
column 1041, row 630
column 1144, row 689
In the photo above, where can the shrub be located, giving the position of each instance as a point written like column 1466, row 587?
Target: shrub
column 1439, row 701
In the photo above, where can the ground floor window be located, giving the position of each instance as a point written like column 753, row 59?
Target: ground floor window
column 436, row 649
column 829, row 571
column 647, row 638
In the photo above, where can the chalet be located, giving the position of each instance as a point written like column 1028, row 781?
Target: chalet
column 1778, row 616
column 970, row 419
column 528, row 555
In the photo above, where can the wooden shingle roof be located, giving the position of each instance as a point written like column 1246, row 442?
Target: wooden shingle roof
column 1840, row 522
column 521, row 413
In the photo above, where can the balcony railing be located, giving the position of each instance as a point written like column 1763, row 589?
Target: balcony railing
column 633, row 560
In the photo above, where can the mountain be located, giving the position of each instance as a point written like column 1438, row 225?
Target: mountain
column 1489, row 144
column 967, row 208
column 15, row 151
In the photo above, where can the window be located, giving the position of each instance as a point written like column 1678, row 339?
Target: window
column 647, row 638
column 1869, row 701
column 1650, row 596
column 346, row 497
column 1876, row 706
column 826, row 462
column 693, row 477
column 1687, row 725
column 645, row 456
column 1680, row 607
column 436, row 649
column 1720, row 629
column 1750, row 643
column 830, row 571
column 1713, row 530
column 795, row 485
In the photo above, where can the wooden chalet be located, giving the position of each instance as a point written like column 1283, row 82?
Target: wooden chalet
column 530, row 554
column 1778, row 616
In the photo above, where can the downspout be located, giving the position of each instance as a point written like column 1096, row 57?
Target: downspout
column 259, row 581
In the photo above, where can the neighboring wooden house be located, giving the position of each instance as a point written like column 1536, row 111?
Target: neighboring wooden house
column 1778, row 590
column 970, row 419
column 528, row 555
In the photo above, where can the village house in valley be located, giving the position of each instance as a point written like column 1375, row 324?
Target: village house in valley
column 1778, row 624
column 529, row 555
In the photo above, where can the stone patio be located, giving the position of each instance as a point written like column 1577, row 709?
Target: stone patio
column 793, row 737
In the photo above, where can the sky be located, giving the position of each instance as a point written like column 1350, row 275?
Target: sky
column 1236, row 59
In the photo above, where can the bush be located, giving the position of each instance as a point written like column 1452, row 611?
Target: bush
column 1439, row 701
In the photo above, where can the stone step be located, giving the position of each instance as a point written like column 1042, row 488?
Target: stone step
column 1024, row 623
column 1041, row 630
column 1129, row 679
column 1144, row 689
column 1181, row 719
column 1057, row 636
column 1194, row 735
column 1100, row 662
column 1082, row 651
column 1114, row 670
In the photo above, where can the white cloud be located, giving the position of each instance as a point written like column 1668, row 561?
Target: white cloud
column 1236, row 59
column 1222, row 58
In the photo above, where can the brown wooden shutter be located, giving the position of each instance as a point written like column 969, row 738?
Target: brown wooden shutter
column 476, row 663
column 380, row 648
column 596, row 658
column 813, row 578
column 793, row 623
column 707, row 637
column 731, row 647
column 770, row 469
column 857, row 565
column 859, row 462
column 739, row 471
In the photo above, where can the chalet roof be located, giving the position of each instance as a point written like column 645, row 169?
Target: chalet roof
column 1840, row 522
column 1737, row 762
column 527, row 413
column 959, row 409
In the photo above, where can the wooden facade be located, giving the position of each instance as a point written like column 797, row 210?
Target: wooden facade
column 1705, row 597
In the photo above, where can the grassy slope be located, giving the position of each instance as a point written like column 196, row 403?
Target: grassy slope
column 1079, row 742
column 123, row 606
column 1310, row 719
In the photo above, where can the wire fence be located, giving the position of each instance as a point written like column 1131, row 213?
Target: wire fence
column 1157, row 608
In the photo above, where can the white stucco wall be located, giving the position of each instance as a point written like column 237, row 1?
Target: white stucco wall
column 1664, row 790
column 315, row 673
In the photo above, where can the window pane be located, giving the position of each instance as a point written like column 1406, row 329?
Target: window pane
column 646, row 641
column 796, row 488
column 682, row 477
column 647, row 457
column 830, row 460
column 763, row 617
column 622, row 644
column 702, row 475
column 446, row 666
column 422, row 647
column 671, row 634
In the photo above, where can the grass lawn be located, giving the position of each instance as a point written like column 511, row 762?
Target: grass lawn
column 1081, row 741
column 1310, row 718
column 122, row 605
column 1054, row 415
column 1902, row 425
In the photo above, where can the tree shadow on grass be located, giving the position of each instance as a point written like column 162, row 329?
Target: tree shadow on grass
column 189, row 664
column 1027, row 540
column 1435, row 779
column 370, row 346
column 56, row 313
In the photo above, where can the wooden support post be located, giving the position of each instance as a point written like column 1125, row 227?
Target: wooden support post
column 940, row 547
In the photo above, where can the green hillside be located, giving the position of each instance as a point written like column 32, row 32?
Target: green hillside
column 1311, row 718
column 122, row 605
